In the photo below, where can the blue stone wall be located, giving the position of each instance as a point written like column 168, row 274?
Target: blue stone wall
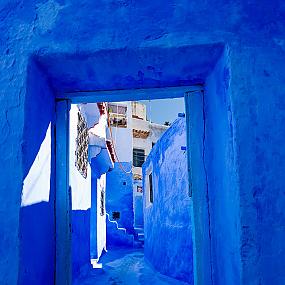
column 167, row 222
column 119, row 196
column 37, row 220
column 65, row 33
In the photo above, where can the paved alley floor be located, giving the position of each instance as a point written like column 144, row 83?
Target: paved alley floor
column 125, row 266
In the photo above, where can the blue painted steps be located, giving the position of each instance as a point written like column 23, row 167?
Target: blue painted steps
column 117, row 236
column 139, row 237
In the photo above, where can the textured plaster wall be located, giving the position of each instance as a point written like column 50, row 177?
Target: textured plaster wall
column 55, row 30
column 259, row 133
column 167, row 222
column 119, row 195
column 221, row 176
column 37, row 227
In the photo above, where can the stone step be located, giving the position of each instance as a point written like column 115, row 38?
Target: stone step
column 116, row 235
column 141, row 236
column 139, row 230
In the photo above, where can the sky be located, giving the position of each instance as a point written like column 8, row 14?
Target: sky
column 162, row 110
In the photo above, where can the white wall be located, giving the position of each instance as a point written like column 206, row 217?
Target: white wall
column 36, row 186
column 123, row 137
column 155, row 132
column 101, row 220
column 80, row 187
column 91, row 113
column 123, row 141
column 139, row 110
column 139, row 124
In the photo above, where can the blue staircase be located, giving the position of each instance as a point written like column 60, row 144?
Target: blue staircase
column 117, row 236
column 139, row 237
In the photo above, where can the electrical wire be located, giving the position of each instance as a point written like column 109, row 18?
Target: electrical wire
column 116, row 156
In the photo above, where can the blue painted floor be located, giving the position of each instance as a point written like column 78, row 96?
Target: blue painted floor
column 125, row 266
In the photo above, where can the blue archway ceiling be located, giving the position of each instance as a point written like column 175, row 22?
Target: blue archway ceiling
column 130, row 68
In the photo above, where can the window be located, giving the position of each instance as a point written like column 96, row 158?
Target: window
column 138, row 157
column 117, row 109
column 102, row 203
column 139, row 189
column 150, row 188
column 82, row 141
column 116, row 215
column 117, row 115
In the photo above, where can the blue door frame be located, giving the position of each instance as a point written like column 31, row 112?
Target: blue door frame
column 195, row 131
column 198, row 188
column 62, row 197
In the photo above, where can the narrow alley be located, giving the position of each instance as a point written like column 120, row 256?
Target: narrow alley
column 124, row 267
column 123, row 220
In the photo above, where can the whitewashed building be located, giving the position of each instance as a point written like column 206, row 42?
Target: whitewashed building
column 133, row 137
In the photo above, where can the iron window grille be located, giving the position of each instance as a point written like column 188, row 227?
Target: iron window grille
column 102, row 203
column 82, row 142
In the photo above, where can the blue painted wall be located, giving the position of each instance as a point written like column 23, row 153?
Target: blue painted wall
column 221, row 177
column 254, row 34
column 93, row 213
column 138, row 205
column 167, row 222
column 138, row 208
column 119, row 197
column 98, row 226
column 80, row 240
column 37, row 220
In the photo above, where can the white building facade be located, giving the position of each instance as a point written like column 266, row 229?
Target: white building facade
column 133, row 137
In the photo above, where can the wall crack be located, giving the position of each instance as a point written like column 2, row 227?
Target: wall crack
column 207, row 186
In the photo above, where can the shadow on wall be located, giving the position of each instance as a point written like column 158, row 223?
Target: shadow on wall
column 37, row 224
column 80, row 240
